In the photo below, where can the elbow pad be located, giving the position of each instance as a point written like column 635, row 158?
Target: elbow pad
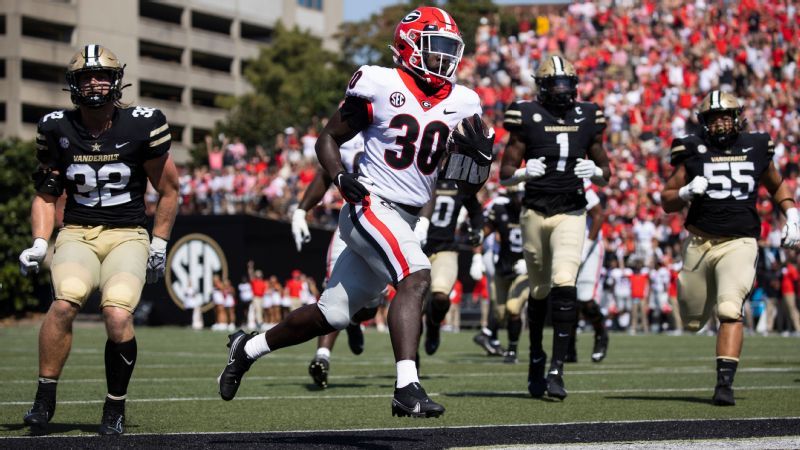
column 47, row 182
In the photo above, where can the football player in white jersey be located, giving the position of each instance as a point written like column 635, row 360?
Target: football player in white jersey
column 319, row 367
column 588, row 281
column 406, row 115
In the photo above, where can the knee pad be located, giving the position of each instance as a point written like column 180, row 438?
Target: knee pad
column 540, row 292
column 562, row 277
column 500, row 312
column 334, row 310
column 122, row 290
column 563, row 304
column 72, row 288
column 514, row 305
column 729, row 310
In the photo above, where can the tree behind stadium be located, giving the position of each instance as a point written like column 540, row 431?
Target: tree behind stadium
column 293, row 79
column 17, row 163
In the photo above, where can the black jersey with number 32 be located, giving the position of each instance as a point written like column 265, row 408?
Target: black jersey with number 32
column 561, row 141
column 104, row 177
column 728, row 208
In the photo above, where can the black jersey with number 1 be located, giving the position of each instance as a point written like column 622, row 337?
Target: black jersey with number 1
column 561, row 140
column 104, row 177
column 728, row 208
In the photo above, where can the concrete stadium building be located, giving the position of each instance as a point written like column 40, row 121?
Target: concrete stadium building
column 180, row 54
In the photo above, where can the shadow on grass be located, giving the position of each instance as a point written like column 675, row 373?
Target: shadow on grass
column 665, row 398
column 487, row 394
column 56, row 428
column 311, row 387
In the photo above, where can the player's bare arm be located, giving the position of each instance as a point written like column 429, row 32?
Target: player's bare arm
column 164, row 177
column 670, row 199
column 336, row 132
column 43, row 215
column 316, row 190
column 781, row 193
column 512, row 158
column 598, row 154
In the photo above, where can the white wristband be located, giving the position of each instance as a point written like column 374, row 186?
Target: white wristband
column 792, row 215
column 685, row 193
column 158, row 244
column 40, row 244
column 519, row 175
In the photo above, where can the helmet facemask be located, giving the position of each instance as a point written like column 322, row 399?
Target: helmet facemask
column 721, row 127
column 436, row 55
column 559, row 91
column 95, row 58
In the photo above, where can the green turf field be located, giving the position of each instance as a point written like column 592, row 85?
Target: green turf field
column 174, row 384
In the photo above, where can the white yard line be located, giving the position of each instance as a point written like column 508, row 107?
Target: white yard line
column 434, row 394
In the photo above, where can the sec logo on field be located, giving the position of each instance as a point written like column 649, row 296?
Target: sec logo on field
column 192, row 263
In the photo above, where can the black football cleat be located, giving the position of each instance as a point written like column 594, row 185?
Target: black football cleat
column 555, row 385
column 536, row 381
column 238, row 363
column 600, row 347
column 412, row 401
column 432, row 338
column 355, row 338
column 318, row 369
column 113, row 422
column 485, row 342
column 510, row 357
column 44, row 407
column 723, row 395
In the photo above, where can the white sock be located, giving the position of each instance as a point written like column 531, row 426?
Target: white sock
column 486, row 331
column 257, row 347
column 406, row 373
column 324, row 353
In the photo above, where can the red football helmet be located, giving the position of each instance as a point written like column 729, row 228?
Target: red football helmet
column 427, row 42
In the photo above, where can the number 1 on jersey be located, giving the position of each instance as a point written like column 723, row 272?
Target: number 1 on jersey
column 562, row 139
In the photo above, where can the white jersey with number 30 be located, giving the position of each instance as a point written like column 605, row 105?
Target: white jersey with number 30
column 407, row 136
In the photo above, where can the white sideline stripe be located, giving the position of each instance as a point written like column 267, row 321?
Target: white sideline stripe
column 674, row 370
column 434, row 394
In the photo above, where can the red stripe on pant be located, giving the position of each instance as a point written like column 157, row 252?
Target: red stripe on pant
column 388, row 237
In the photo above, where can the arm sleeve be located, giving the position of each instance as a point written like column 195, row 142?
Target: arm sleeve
column 357, row 112
column 679, row 152
column 474, row 211
column 159, row 136
column 599, row 121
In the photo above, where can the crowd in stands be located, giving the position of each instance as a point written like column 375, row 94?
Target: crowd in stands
column 647, row 64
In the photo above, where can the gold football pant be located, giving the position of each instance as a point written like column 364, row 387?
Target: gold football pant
column 716, row 272
column 444, row 271
column 552, row 248
column 112, row 259
column 509, row 295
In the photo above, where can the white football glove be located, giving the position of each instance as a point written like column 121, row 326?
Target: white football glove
column 535, row 168
column 421, row 230
column 586, row 168
column 476, row 268
column 157, row 261
column 30, row 258
column 520, row 268
column 790, row 235
column 695, row 188
column 300, row 228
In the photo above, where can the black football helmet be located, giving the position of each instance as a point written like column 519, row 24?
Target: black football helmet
column 557, row 82
column 715, row 103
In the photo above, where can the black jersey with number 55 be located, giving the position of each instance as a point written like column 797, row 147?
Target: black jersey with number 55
column 561, row 140
column 104, row 177
column 728, row 208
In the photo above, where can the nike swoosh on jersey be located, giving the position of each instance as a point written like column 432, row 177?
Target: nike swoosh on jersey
column 580, row 120
column 747, row 149
column 121, row 145
column 449, row 112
